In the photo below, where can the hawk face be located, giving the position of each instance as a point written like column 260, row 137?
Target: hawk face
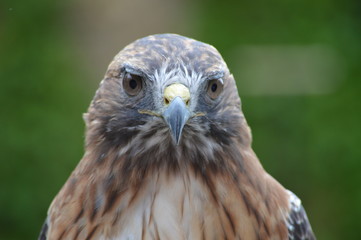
column 168, row 154
column 166, row 97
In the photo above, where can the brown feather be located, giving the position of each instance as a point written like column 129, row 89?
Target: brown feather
column 135, row 182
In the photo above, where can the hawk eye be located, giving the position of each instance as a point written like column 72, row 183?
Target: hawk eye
column 215, row 87
column 132, row 84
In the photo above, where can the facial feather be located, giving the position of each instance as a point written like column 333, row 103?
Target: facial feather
column 136, row 182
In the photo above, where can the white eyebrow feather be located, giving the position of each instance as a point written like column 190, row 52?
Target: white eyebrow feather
column 179, row 72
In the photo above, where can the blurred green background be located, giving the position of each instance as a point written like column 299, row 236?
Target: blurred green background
column 297, row 65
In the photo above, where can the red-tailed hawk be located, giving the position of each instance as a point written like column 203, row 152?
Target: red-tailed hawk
column 168, row 156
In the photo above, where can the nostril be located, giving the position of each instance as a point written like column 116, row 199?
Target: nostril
column 187, row 102
column 166, row 101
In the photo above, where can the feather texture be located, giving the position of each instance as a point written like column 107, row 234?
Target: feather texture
column 135, row 182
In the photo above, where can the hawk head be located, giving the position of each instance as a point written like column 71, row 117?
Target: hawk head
column 167, row 100
column 165, row 130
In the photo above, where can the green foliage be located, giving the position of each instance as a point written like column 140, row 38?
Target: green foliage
column 41, row 105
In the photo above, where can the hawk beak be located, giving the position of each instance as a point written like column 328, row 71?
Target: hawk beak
column 176, row 115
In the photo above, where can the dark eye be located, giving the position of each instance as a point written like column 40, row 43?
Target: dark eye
column 215, row 87
column 132, row 84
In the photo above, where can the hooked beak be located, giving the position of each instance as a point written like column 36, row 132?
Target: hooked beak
column 176, row 115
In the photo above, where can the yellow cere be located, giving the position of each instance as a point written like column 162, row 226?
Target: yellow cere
column 176, row 90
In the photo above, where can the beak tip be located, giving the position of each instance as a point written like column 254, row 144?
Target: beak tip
column 177, row 137
column 176, row 116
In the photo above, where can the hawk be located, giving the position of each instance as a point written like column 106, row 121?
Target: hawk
column 168, row 156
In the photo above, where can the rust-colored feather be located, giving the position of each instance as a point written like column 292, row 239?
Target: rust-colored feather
column 136, row 182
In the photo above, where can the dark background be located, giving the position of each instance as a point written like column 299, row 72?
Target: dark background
column 297, row 65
